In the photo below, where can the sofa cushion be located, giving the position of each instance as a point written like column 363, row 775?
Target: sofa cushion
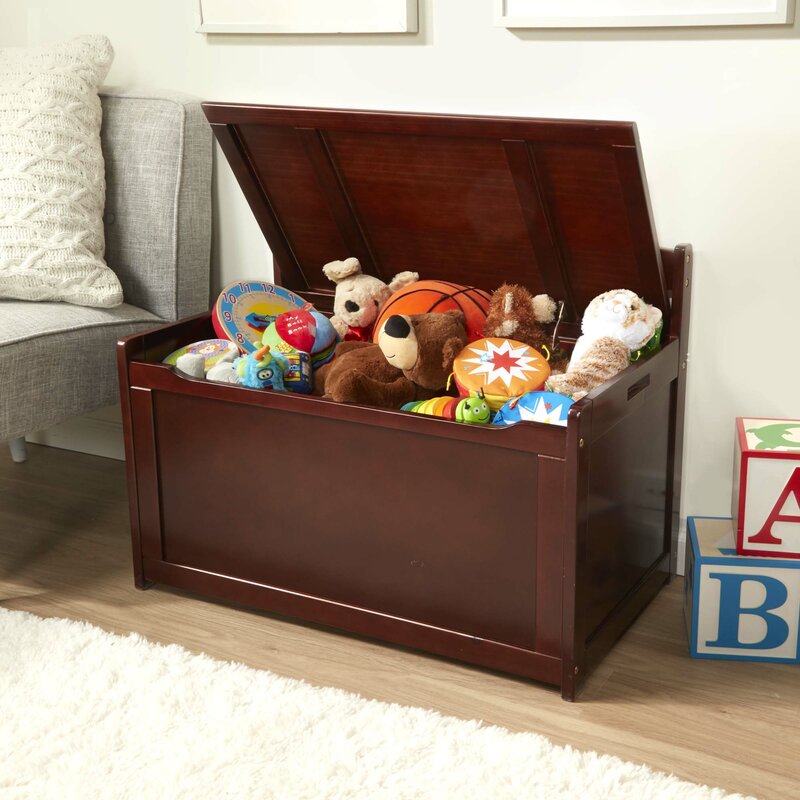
column 52, row 180
column 157, row 152
column 21, row 321
column 58, row 360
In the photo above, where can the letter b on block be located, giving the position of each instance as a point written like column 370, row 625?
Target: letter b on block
column 731, row 611
column 746, row 613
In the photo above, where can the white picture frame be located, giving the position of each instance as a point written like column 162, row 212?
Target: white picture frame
column 640, row 13
column 307, row 16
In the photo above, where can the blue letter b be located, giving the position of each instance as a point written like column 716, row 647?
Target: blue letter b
column 730, row 610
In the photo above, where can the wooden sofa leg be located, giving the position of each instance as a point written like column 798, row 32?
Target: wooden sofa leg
column 19, row 452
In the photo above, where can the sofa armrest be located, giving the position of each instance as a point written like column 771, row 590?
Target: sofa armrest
column 158, row 156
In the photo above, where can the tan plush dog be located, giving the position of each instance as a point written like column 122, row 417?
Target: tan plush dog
column 359, row 297
column 412, row 361
column 614, row 325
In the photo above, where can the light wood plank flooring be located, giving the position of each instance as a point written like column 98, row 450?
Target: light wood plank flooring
column 64, row 551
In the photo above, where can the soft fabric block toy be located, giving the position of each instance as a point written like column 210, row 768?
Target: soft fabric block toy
column 514, row 313
column 359, row 297
column 412, row 362
column 303, row 330
column 614, row 325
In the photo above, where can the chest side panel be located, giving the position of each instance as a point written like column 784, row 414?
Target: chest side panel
column 435, row 530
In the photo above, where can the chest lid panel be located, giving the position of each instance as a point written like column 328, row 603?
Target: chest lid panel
column 560, row 206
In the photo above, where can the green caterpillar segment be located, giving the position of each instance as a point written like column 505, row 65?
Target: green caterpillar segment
column 473, row 410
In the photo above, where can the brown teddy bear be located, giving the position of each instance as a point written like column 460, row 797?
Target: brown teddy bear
column 412, row 361
column 514, row 313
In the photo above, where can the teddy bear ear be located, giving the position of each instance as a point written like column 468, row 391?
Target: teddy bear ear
column 544, row 308
column 337, row 271
column 455, row 313
column 452, row 347
column 403, row 279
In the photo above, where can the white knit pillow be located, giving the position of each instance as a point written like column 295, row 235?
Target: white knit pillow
column 52, row 178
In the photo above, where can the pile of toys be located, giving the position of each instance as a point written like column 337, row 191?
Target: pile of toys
column 411, row 343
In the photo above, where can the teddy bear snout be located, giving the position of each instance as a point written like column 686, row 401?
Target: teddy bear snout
column 351, row 306
column 398, row 341
column 397, row 327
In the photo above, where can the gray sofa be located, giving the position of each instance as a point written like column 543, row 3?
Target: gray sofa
column 58, row 360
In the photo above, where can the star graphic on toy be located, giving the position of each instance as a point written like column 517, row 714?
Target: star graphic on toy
column 504, row 362
column 543, row 412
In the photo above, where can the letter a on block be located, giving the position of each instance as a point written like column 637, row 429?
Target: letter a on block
column 765, row 535
column 730, row 611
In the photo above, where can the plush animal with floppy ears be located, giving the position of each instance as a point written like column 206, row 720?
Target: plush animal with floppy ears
column 514, row 313
column 412, row 361
column 359, row 297
column 615, row 325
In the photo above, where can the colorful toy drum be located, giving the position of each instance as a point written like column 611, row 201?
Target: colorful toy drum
column 423, row 297
column 501, row 368
column 245, row 309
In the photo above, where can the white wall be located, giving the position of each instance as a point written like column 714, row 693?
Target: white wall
column 719, row 119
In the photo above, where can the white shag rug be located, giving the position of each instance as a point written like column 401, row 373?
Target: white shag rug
column 87, row 714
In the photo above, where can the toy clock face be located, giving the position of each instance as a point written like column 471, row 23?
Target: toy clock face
column 245, row 309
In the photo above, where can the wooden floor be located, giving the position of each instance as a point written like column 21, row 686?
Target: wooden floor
column 64, row 551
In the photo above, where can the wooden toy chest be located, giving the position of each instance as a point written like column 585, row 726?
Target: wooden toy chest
column 527, row 549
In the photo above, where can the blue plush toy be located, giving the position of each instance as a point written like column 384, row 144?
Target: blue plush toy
column 535, row 407
column 262, row 370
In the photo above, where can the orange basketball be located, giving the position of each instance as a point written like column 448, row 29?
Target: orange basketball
column 425, row 296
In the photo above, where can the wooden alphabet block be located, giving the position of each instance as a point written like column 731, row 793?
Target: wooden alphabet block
column 766, row 487
column 738, row 607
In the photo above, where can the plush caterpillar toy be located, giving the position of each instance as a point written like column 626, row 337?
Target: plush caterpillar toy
column 473, row 410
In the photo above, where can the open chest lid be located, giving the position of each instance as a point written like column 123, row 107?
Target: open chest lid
column 559, row 206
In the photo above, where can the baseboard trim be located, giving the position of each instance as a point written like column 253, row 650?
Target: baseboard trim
column 681, row 555
column 98, row 434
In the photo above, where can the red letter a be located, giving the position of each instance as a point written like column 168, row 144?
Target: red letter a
column 764, row 536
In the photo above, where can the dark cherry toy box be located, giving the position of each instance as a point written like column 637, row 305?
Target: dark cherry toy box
column 527, row 549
